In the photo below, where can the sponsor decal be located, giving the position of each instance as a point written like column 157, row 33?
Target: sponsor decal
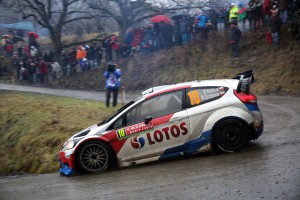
column 210, row 93
column 167, row 133
column 137, row 142
column 202, row 95
column 221, row 91
column 159, row 135
column 137, row 128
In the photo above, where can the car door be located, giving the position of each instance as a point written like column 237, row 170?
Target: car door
column 167, row 126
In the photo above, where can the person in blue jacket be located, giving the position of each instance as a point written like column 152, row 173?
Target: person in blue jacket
column 203, row 20
column 113, row 82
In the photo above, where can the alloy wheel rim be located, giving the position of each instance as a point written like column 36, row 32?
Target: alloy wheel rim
column 94, row 157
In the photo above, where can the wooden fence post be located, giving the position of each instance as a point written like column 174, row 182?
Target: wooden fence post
column 123, row 95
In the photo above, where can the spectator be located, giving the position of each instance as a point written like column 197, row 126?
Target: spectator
column 212, row 15
column 114, row 45
column 55, row 70
column 107, row 48
column 86, row 64
column 72, row 61
column 267, row 11
column 275, row 28
column 235, row 35
column 242, row 14
column 80, row 55
column 90, row 54
column 16, row 64
column 43, row 71
column 183, row 28
column 294, row 7
column 283, row 10
column 274, row 11
column 112, row 75
column 64, row 63
column 32, row 71
column 9, row 48
column 221, row 20
column 33, row 52
column 258, row 14
column 202, row 24
column 24, row 72
column 251, row 13
column 97, row 52
column 233, row 13
column 33, row 42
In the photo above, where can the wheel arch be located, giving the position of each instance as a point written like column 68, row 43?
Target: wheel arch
column 224, row 114
column 225, row 119
column 99, row 139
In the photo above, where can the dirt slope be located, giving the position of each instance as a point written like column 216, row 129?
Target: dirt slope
column 277, row 67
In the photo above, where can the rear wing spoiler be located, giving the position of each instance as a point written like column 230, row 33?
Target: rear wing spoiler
column 245, row 78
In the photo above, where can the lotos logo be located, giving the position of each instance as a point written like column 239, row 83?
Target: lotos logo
column 167, row 133
column 137, row 142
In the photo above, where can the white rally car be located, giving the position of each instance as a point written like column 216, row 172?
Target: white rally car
column 168, row 121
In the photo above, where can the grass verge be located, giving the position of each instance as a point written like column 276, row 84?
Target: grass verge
column 33, row 127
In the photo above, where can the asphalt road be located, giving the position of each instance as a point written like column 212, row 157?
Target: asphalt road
column 268, row 168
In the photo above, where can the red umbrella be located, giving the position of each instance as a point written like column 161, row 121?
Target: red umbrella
column 33, row 34
column 160, row 18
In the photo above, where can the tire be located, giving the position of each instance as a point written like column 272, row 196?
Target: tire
column 94, row 156
column 230, row 135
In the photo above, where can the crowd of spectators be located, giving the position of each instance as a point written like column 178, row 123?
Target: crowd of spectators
column 36, row 66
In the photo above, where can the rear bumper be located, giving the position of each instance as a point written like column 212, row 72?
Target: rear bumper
column 256, row 131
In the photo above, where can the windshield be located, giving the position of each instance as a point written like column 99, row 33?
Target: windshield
column 116, row 113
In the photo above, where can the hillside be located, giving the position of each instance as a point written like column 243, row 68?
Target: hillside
column 276, row 67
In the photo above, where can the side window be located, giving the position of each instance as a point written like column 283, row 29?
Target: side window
column 156, row 107
column 199, row 96
column 117, row 124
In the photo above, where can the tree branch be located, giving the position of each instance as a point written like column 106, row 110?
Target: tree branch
column 99, row 37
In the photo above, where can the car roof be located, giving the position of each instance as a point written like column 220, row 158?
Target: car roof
column 168, row 88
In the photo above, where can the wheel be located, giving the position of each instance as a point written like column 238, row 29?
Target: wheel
column 230, row 135
column 94, row 156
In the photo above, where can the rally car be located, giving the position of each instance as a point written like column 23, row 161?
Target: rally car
column 168, row 121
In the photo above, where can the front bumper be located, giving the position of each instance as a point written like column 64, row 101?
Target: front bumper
column 66, row 164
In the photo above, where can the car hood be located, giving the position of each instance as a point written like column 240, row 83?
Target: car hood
column 92, row 130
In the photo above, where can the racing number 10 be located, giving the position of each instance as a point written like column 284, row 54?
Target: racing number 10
column 194, row 97
column 121, row 133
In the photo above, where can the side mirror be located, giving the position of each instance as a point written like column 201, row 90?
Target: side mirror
column 147, row 120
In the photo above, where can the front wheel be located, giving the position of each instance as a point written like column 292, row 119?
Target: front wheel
column 230, row 135
column 94, row 156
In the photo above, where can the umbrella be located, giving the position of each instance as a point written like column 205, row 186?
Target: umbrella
column 17, row 39
column 33, row 34
column 6, row 36
column 160, row 18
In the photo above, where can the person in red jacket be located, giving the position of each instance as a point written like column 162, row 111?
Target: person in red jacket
column 267, row 5
column 43, row 70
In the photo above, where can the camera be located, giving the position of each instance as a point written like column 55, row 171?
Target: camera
column 111, row 67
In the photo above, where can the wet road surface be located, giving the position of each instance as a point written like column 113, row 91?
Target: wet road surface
column 268, row 168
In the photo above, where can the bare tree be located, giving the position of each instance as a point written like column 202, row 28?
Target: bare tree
column 124, row 12
column 127, row 13
column 54, row 15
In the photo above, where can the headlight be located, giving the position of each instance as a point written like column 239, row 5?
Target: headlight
column 68, row 145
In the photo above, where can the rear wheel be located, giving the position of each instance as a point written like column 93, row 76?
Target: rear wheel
column 94, row 156
column 230, row 136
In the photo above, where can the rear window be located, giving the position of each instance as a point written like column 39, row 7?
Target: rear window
column 202, row 95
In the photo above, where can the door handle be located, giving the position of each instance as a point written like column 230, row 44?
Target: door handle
column 176, row 119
